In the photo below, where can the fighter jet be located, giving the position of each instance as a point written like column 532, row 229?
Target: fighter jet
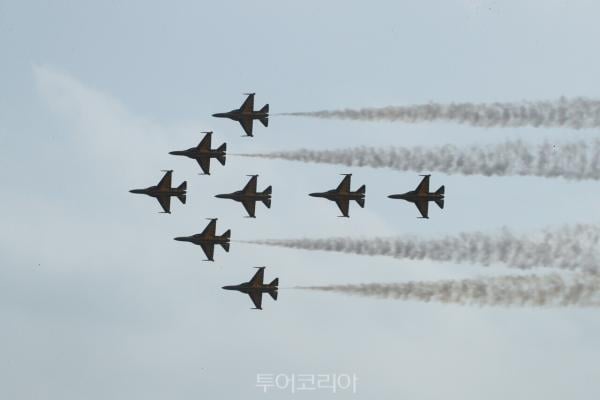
column 248, row 196
column 246, row 114
column 255, row 288
column 163, row 192
column 421, row 196
column 208, row 239
column 342, row 195
column 203, row 153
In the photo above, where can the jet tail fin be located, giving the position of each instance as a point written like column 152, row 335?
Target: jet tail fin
column 440, row 203
column 362, row 190
column 221, row 159
column 267, row 201
column 226, row 235
column 273, row 294
column 265, row 120
column 222, row 148
column 182, row 196
column 440, row 190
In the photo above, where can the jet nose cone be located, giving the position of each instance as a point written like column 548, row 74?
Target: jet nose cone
column 227, row 287
column 221, row 196
column 397, row 196
column 314, row 194
column 219, row 115
column 181, row 239
column 136, row 191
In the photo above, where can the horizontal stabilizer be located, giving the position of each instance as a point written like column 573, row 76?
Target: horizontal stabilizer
column 265, row 121
column 222, row 147
column 268, row 190
column 440, row 190
column 362, row 189
column 361, row 202
column 183, row 186
column 221, row 159
column 273, row 294
column 267, row 202
column 440, row 202
column 181, row 197
column 275, row 282
column 265, row 109
column 225, row 246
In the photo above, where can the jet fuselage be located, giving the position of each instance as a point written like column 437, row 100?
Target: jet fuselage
column 414, row 196
column 247, row 287
column 195, row 152
column 238, row 115
column 155, row 191
column 334, row 195
column 241, row 196
column 200, row 239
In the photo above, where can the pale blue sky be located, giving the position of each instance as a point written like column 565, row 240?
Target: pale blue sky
column 99, row 302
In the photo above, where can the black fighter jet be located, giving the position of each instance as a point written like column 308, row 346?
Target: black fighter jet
column 203, row 153
column 163, row 192
column 248, row 196
column 255, row 288
column 246, row 114
column 208, row 239
column 342, row 195
column 421, row 196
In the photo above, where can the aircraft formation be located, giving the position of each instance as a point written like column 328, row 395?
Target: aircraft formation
column 248, row 196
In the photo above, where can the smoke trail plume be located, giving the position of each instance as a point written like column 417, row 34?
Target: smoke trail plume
column 531, row 290
column 575, row 113
column 573, row 160
column 569, row 247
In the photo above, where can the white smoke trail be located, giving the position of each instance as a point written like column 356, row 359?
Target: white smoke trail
column 573, row 160
column 568, row 247
column 530, row 290
column 575, row 113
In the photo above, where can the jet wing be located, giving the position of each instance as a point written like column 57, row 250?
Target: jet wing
column 256, row 297
column 248, row 105
column 251, row 185
column 344, row 186
column 165, row 203
column 258, row 277
column 209, row 250
column 205, row 143
column 204, row 163
column 423, row 206
column 247, row 125
column 423, row 187
column 250, row 206
column 343, row 205
column 210, row 229
column 165, row 182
